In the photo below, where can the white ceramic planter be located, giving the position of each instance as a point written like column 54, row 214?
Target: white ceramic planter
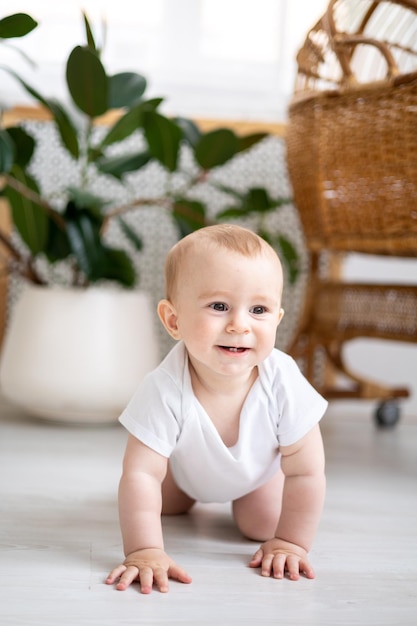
column 77, row 355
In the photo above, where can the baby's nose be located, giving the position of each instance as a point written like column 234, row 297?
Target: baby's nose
column 239, row 323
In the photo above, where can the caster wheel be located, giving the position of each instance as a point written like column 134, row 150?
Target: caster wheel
column 387, row 414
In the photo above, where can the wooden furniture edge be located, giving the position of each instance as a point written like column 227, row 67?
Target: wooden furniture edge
column 19, row 113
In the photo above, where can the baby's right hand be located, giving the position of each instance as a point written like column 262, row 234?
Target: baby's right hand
column 148, row 566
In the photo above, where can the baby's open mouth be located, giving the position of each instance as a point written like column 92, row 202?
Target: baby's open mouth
column 233, row 349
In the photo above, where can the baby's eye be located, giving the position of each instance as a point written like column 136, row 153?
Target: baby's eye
column 258, row 310
column 218, row 306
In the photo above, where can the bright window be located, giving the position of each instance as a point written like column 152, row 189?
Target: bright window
column 208, row 58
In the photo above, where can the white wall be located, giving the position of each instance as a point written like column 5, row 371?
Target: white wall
column 210, row 58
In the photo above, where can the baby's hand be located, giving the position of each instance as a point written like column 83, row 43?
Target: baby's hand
column 148, row 566
column 277, row 557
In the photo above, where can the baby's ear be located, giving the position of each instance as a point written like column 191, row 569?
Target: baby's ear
column 168, row 316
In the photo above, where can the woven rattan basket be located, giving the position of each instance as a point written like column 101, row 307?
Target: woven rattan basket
column 352, row 160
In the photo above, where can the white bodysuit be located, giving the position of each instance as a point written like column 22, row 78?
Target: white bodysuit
column 164, row 414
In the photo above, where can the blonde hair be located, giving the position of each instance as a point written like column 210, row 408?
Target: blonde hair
column 228, row 236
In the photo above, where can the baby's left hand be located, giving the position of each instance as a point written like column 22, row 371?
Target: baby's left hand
column 277, row 558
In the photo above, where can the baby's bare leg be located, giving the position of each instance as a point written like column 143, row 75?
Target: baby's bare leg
column 174, row 501
column 257, row 513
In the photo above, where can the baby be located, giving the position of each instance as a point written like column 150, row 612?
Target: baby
column 225, row 417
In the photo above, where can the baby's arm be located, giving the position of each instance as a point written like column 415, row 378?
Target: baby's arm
column 302, row 501
column 140, row 504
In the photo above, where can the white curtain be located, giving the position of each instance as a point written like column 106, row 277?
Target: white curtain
column 209, row 58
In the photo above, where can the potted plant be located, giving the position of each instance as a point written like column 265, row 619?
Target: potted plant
column 71, row 227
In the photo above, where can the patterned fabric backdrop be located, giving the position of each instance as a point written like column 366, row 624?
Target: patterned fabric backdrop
column 263, row 165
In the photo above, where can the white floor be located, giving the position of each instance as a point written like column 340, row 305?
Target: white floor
column 59, row 536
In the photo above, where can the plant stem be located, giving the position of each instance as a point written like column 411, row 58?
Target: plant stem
column 34, row 197
column 141, row 202
column 24, row 265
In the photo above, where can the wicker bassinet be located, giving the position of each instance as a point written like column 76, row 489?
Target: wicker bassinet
column 352, row 160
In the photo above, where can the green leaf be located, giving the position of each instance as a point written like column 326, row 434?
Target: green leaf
column 119, row 267
column 66, row 129
column 16, row 25
column 131, row 235
column 189, row 215
column 216, row 148
column 87, row 82
column 24, row 145
column 258, row 200
column 57, row 246
column 7, row 152
column 152, row 104
column 228, row 190
column 191, row 132
column 84, row 239
column 129, row 123
column 290, row 257
column 287, row 252
column 247, row 141
column 124, row 127
column 30, row 90
column 119, row 165
column 255, row 200
column 29, row 218
column 89, row 33
column 125, row 89
column 81, row 200
column 164, row 139
column 95, row 259
column 232, row 213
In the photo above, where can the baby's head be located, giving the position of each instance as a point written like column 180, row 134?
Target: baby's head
column 223, row 299
column 226, row 237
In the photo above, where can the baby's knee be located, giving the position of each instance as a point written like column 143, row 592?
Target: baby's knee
column 258, row 512
column 256, row 525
